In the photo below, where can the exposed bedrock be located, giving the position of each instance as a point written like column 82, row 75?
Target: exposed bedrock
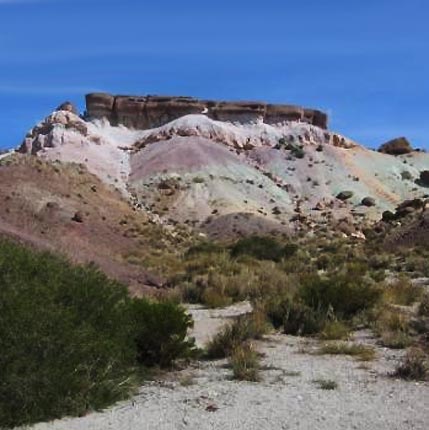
column 154, row 111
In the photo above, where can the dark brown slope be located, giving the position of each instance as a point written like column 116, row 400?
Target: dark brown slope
column 63, row 208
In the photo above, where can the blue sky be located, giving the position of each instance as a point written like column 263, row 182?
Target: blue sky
column 366, row 62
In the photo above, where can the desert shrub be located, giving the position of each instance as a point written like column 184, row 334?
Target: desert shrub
column 245, row 363
column 393, row 328
column 396, row 340
column 326, row 384
column 70, row 337
column 402, row 292
column 346, row 293
column 297, row 151
column 244, row 328
column 215, row 298
column 204, row 248
column 335, row 330
column 295, row 317
column 263, row 248
column 217, row 279
column 64, row 337
column 302, row 320
column 160, row 332
column 423, row 310
column 359, row 351
column 417, row 264
column 414, row 365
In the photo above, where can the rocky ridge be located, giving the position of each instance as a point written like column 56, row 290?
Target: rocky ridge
column 230, row 177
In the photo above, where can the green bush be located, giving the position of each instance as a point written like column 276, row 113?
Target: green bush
column 300, row 319
column 64, row 338
column 70, row 337
column 346, row 293
column 160, row 332
column 263, row 248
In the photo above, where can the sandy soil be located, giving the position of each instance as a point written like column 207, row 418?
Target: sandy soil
column 204, row 396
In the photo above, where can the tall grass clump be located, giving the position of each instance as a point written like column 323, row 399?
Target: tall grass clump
column 244, row 328
column 71, row 340
column 245, row 363
column 402, row 292
column 414, row 366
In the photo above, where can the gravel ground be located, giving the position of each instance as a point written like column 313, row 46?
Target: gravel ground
column 204, row 396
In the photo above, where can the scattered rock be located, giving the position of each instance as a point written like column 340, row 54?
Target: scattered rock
column 388, row 216
column 69, row 107
column 78, row 217
column 345, row 195
column 368, row 201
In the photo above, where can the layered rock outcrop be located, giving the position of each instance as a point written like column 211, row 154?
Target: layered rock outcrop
column 154, row 111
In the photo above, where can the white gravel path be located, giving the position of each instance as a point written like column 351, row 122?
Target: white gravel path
column 204, row 397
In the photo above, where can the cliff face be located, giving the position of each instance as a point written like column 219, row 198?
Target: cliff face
column 154, row 111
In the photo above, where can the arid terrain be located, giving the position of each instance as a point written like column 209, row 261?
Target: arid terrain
column 300, row 255
column 289, row 395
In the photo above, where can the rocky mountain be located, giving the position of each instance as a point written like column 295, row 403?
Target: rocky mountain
column 231, row 168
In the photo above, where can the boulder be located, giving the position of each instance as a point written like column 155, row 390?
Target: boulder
column 368, row 201
column 345, row 195
column 424, row 177
column 398, row 146
column 388, row 216
column 78, row 217
column 69, row 107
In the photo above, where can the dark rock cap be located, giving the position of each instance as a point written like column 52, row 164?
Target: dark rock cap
column 143, row 112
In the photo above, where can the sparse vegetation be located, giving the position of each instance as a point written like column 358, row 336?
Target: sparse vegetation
column 263, row 248
column 243, row 329
column 72, row 340
column 326, row 384
column 245, row 364
column 414, row 366
column 423, row 310
column 335, row 330
column 393, row 327
column 402, row 292
column 359, row 351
